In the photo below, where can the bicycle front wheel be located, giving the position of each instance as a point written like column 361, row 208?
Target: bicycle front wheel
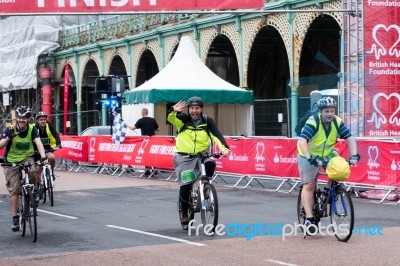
column 50, row 186
column 209, row 215
column 342, row 214
column 50, row 190
column 31, row 216
column 21, row 213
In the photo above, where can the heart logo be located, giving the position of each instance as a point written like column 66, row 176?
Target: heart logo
column 378, row 49
column 373, row 154
column 378, row 117
column 260, row 151
column 92, row 143
column 142, row 146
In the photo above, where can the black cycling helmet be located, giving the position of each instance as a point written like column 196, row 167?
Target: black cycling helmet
column 326, row 102
column 41, row 114
column 195, row 101
column 23, row 111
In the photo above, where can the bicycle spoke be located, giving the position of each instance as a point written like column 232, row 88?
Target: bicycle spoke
column 210, row 214
column 31, row 216
column 342, row 215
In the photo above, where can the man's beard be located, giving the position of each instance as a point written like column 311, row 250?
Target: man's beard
column 23, row 128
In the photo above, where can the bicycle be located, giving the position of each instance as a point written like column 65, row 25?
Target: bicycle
column 203, row 197
column 27, row 209
column 337, row 203
column 47, row 182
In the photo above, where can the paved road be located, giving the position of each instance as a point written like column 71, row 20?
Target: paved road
column 103, row 220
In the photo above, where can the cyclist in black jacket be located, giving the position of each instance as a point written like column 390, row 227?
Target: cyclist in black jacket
column 49, row 137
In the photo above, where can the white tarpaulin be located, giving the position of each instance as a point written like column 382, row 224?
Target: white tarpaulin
column 22, row 40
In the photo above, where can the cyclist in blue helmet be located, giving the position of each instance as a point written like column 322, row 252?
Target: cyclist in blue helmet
column 317, row 140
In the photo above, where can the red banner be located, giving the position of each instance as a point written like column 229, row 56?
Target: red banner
column 382, row 68
column 66, row 86
column 74, row 148
column 140, row 150
column 237, row 160
column 10, row 7
column 272, row 157
column 157, row 152
column 102, row 150
column 379, row 165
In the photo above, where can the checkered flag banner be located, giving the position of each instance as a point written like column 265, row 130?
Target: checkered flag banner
column 119, row 129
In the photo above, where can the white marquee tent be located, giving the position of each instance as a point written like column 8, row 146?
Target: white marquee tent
column 186, row 76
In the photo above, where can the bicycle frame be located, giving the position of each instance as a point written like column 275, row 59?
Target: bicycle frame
column 201, row 185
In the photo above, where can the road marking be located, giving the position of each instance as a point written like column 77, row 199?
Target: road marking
column 281, row 262
column 57, row 214
column 386, row 203
column 157, row 235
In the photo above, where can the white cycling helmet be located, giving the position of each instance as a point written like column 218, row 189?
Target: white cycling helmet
column 41, row 114
column 326, row 102
column 23, row 111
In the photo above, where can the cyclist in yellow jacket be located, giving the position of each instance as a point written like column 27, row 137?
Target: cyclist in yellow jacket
column 19, row 141
column 317, row 140
column 49, row 137
column 195, row 132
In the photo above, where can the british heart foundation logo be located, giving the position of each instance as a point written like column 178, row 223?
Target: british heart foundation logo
column 379, row 35
column 381, row 100
column 145, row 142
column 373, row 156
column 260, row 152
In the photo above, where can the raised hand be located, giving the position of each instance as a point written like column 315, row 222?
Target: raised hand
column 179, row 106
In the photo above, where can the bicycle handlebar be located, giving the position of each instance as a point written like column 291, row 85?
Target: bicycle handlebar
column 215, row 155
column 3, row 163
column 326, row 160
column 22, row 165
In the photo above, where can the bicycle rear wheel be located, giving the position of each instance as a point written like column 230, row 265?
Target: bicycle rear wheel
column 342, row 214
column 44, row 194
column 21, row 213
column 31, row 216
column 301, row 214
column 209, row 215
column 190, row 214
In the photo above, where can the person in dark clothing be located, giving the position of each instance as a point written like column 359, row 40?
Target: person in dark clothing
column 148, row 125
column 196, row 132
column 49, row 136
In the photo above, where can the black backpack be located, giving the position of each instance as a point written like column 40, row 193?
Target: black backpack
column 303, row 120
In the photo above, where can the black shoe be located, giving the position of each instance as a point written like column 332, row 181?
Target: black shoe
column 15, row 224
column 184, row 220
column 311, row 227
